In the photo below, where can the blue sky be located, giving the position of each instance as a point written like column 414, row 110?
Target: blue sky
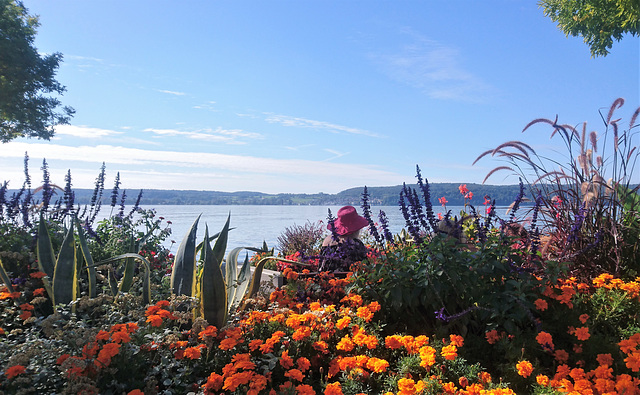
column 307, row 96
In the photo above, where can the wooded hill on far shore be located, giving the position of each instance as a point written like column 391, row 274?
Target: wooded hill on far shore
column 379, row 196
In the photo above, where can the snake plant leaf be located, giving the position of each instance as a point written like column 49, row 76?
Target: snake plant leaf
column 220, row 247
column 183, row 280
column 65, row 280
column 213, row 290
column 232, row 277
column 44, row 249
column 5, row 278
column 146, row 277
column 84, row 247
column 129, row 268
column 243, row 281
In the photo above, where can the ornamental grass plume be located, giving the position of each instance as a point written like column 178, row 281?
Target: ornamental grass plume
column 586, row 205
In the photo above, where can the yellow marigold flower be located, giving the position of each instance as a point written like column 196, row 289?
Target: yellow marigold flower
column 364, row 313
column 343, row 322
column 449, row 388
column 345, row 344
column 542, row 380
column 377, row 365
column 333, row 389
column 427, row 356
column 524, row 368
column 449, row 352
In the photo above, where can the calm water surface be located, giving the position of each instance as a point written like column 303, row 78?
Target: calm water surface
column 255, row 224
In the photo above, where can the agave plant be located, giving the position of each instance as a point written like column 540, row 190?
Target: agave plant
column 218, row 284
column 61, row 281
column 582, row 205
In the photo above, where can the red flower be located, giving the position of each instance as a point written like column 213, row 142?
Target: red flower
column 463, row 189
column 14, row 371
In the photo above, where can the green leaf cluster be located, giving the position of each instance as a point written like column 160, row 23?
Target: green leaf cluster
column 26, row 79
column 598, row 22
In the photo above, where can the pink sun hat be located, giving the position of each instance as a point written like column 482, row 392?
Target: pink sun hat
column 348, row 221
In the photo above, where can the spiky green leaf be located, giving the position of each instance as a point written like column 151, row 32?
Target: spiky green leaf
column 184, row 266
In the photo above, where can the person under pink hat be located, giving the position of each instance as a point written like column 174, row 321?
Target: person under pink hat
column 344, row 247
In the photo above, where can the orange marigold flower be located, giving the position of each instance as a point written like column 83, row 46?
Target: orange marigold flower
column 582, row 333
column 365, row 313
column 121, row 337
column 456, row 340
column 25, row 315
column 155, row 320
column 303, row 364
column 561, row 356
column 294, row 374
column 543, row 380
column 377, row 365
column 37, row 274
column 192, row 353
column 524, row 368
column 627, row 345
column 2, row 331
column 103, row 335
column 449, row 352
column 39, row 292
column 135, row 392
column 255, row 344
column 15, row 370
column 485, row 377
column 492, row 336
column 449, row 388
column 210, row 331
column 583, row 318
column 285, row 360
column 301, row 333
column 427, row 356
column 333, row 389
column 463, row 381
column 228, row 344
column 541, row 304
column 345, row 344
column 393, row 342
column 545, row 340
column 633, row 361
column 343, row 322
column 305, row 389
column 605, row 359
column 321, row 346
column 237, row 379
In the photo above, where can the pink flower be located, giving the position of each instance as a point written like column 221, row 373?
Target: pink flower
column 443, row 201
column 463, row 189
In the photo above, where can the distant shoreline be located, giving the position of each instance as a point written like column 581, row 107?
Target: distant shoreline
column 503, row 195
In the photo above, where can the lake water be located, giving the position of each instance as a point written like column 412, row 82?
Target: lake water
column 255, row 224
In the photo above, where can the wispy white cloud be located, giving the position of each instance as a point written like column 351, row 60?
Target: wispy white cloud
column 84, row 131
column 319, row 125
column 229, row 136
column 336, row 154
column 299, row 147
column 433, row 67
column 200, row 170
column 171, row 92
